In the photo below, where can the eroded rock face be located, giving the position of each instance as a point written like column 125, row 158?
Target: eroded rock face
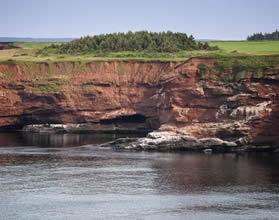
column 174, row 97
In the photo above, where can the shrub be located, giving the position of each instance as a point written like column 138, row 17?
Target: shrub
column 132, row 41
column 202, row 68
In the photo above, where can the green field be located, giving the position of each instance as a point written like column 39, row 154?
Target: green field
column 248, row 47
column 228, row 50
column 32, row 45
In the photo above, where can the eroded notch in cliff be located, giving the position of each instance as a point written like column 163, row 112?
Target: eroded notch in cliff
column 136, row 118
column 133, row 121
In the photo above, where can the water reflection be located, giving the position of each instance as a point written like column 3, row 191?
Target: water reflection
column 14, row 139
column 195, row 172
column 90, row 182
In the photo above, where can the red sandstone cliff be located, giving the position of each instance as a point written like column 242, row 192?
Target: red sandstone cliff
column 172, row 95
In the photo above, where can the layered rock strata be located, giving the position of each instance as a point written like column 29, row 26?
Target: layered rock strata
column 191, row 99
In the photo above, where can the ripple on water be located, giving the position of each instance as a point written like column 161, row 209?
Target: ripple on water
column 85, row 182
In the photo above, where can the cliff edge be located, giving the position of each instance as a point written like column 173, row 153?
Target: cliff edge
column 195, row 98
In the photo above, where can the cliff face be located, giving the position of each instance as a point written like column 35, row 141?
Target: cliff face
column 193, row 98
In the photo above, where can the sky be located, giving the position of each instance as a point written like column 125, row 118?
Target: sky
column 205, row 19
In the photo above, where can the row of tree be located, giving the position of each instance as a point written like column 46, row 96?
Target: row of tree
column 133, row 41
column 264, row 36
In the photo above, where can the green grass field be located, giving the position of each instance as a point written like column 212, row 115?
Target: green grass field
column 28, row 51
column 248, row 47
column 32, row 45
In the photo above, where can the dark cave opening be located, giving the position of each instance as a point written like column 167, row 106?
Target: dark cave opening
column 136, row 118
column 133, row 121
column 126, row 124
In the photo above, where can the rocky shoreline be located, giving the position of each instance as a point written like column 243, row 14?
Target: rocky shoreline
column 171, row 141
column 159, row 140
column 192, row 105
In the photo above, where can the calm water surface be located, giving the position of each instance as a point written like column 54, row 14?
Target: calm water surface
column 70, row 177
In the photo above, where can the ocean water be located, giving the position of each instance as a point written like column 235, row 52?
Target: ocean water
column 70, row 177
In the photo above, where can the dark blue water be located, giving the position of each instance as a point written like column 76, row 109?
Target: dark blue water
column 71, row 177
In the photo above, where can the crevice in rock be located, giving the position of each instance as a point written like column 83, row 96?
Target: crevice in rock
column 136, row 118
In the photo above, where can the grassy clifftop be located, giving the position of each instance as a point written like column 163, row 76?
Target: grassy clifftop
column 248, row 47
column 244, row 54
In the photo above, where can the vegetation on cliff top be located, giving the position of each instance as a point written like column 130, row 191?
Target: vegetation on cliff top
column 132, row 41
column 266, row 36
column 248, row 54
column 247, row 48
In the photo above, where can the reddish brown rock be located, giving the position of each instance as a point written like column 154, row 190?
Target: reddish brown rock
column 176, row 96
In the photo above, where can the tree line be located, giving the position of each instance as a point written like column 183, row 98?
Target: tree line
column 264, row 36
column 133, row 41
